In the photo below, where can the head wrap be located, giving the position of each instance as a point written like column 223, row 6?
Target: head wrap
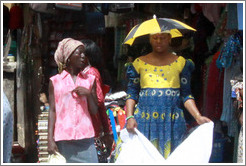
column 65, row 48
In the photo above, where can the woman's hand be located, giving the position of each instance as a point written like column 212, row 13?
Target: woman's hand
column 108, row 140
column 131, row 124
column 81, row 91
column 52, row 147
column 90, row 95
column 43, row 98
column 202, row 119
column 190, row 105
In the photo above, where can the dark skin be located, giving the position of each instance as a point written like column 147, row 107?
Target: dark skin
column 160, row 56
column 75, row 63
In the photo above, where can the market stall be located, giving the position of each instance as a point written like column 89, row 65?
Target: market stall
column 215, row 48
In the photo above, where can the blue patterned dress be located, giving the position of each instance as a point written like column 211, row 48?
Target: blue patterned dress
column 160, row 92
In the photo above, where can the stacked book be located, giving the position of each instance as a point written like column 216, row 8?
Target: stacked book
column 42, row 139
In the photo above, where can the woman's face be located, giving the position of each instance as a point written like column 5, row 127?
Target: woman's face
column 160, row 42
column 78, row 59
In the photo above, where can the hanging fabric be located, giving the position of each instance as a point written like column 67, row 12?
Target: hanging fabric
column 16, row 20
column 42, row 7
column 214, row 91
column 70, row 6
column 230, row 49
column 229, row 59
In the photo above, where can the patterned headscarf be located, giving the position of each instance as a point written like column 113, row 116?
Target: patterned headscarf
column 64, row 50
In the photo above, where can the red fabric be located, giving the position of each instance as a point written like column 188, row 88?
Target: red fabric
column 105, row 89
column 100, row 120
column 214, row 92
column 16, row 18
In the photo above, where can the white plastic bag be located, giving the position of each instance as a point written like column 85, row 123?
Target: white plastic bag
column 136, row 148
column 56, row 158
column 195, row 149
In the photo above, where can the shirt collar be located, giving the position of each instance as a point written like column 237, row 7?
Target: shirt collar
column 86, row 69
column 64, row 73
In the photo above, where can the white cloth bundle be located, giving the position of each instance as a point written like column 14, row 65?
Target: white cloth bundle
column 195, row 149
column 56, row 158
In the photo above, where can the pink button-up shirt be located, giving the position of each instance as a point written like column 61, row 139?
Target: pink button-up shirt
column 73, row 120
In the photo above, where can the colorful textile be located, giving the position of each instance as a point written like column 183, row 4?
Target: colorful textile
column 100, row 120
column 160, row 92
column 230, row 49
column 73, row 120
column 65, row 48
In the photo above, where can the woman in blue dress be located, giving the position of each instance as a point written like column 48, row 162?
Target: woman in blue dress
column 159, row 84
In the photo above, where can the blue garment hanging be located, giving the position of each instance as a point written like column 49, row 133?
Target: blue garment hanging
column 230, row 49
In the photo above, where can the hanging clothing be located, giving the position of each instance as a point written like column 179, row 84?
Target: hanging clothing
column 16, row 19
column 212, row 11
column 214, row 91
column 160, row 92
column 231, row 49
column 230, row 60
column 228, row 113
column 8, row 122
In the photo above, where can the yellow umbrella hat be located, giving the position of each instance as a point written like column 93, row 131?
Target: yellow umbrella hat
column 172, row 26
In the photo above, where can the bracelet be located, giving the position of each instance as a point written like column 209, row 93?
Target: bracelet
column 129, row 117
column 197, row 114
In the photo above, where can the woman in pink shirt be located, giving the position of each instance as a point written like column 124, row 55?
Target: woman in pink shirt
column 72, row 98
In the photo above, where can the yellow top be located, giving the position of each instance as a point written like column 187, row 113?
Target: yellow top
column 167, row 76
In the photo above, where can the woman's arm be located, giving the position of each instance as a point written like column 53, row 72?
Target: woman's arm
column 51, row 121
column 186, row 95
column 190, row 105
column 133, row 88
column 131, row 123
column 91, row 97
column 92, row 100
